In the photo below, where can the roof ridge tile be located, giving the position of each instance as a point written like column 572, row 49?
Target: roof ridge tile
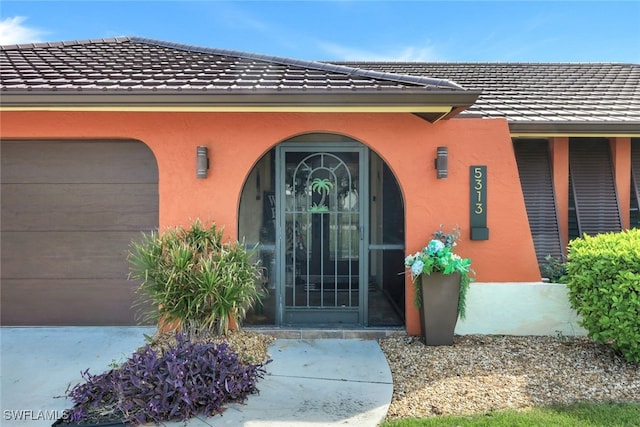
column 65, row 43
column 321, row 66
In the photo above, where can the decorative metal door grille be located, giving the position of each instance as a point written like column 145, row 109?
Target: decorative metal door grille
column 322, row 231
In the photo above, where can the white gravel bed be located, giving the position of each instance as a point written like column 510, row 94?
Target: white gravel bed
column 482, row 373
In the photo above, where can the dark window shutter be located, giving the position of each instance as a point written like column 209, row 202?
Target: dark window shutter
column 593, row 186
column 534, row 168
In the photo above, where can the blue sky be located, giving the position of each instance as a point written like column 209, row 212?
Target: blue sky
column 514, row 31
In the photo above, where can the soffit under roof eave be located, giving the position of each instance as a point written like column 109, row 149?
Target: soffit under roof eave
column 551, row 129
column 420, row 101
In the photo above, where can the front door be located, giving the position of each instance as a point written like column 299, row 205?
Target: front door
column 320, row 193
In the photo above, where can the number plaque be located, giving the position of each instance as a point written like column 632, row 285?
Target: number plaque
column 478, row 203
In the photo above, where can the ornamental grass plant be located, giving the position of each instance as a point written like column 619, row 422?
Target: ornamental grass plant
column 193, row 278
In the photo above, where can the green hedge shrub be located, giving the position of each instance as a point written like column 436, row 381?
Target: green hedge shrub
column 604, row 288
column 191, row 277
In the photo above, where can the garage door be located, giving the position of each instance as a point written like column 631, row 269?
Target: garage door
column 69, row 212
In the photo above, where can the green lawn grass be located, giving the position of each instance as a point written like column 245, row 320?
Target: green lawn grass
column 578, row 415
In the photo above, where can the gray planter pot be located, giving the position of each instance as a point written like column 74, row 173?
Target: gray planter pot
column 439, row 313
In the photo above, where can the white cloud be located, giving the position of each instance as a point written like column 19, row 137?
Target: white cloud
column 13, row 31
column 400, row 54
column 418, row 54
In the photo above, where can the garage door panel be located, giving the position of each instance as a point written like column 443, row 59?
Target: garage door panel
column 69, row 302
column 77, row 255
column 70, row 210
column 93, row 162
column 65, row 207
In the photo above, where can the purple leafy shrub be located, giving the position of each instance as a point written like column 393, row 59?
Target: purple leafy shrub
column 185, row 379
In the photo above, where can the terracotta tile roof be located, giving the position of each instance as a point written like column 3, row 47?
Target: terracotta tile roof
column 532, row 96
column 142, row 65
column 539, row 92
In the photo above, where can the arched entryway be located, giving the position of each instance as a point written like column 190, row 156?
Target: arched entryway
column 328, row 218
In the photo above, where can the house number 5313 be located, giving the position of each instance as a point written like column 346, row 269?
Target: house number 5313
column 478, row 175
column 478, row 202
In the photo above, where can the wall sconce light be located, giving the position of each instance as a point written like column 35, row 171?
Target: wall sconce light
column 202, row 162
column 441, row 162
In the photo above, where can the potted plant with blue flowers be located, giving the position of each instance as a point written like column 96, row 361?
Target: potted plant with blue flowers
column 441, row 279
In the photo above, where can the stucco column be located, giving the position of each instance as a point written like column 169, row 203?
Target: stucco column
column 621, row 155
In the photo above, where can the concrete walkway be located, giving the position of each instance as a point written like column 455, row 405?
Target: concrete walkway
column 321, row 382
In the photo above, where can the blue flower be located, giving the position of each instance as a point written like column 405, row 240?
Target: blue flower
column 416, row 268
column 409, row 260
column 434, row 247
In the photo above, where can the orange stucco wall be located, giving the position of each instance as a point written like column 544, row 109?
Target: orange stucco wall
column 407, row 143
column 621, row 155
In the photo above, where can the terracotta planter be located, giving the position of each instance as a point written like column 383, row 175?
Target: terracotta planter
column 439, row 312
column 170, row 326
column 233, row 323
column 167, row 326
